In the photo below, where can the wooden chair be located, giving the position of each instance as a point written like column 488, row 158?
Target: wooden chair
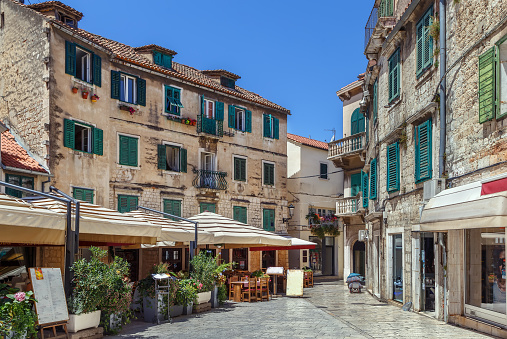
column 305, row 281
column 263, row 289
column 249, row 291
column 310, row 279
column 231, row 288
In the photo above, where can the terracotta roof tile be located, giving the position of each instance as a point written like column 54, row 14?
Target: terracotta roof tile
column 14, row 155
column 223, row 72
column 49, row 4
column 308, row 141
column 155, row 47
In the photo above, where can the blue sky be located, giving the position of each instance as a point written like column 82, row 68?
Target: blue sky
column 294, row 53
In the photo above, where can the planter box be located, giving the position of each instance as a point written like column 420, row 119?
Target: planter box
column 214, row 297
column 150, row 310
column 203, row 297
column 176, row 311
column 83, row 321
column 115, row 321
column 187, row 310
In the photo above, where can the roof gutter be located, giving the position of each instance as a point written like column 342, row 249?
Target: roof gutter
column 20, row 170
column 401, row 22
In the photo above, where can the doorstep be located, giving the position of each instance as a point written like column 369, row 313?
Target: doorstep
column 478, row 325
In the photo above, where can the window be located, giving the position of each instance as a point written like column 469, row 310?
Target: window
column 128, row 88
column 269, row 174
column 424, row 42
column 305, row 256
column 83, row 194
column 393, row 167
column 209, row 109
column 356, row 122
column 83, row 137
column 172, row 207
column 162, row 59
column 239, row 169
column 364, row 188
column 172, row 100
column 373, row 179
column 172, row 158
column 268, row 219
column 83, row 64
column 127, row 203
column 355, row 184
column 323, row 171
column 19, row 180
column 227, row 82
column 423, row 169
column 394, row 75
column 239, row 214
column 128, row 150
column 207, row 207
column 240, row 119
column 271, row 126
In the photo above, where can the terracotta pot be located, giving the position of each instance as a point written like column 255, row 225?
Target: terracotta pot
column 85, row 95
column 183, row 121
column 194, row 122
column 74, row 89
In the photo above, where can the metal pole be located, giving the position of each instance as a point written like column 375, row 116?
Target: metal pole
column 76, row 220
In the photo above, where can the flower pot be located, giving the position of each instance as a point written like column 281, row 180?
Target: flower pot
column 11, row 335
column 203, row 297
column 187, row 310
column 183, row 121
column 94, row 100
column 115, row 321
column 187, row 122
column 150, row 311
column 214, row 297
column 83, row 321
column 194, row 122
column 74, row 90
column 176, row 311
column 85, row 95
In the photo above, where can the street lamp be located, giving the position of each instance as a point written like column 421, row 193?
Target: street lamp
column 291, row 213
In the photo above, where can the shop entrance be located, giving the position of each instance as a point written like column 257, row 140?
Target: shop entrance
column 316, row 256
column 358, row 258
column 132, row 257
column 397, row 261
column 428, row 272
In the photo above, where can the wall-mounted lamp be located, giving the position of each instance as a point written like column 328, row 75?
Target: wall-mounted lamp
column 291, row 214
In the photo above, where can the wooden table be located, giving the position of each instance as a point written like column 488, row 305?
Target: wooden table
column 237, row 285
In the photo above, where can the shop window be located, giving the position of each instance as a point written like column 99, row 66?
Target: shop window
column 240, row 258
column 305, row 256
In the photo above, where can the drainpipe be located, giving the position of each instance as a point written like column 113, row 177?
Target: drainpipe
column 441, row 164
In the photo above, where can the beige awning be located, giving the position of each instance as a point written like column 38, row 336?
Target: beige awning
column 103, row 225
column 24, row 223
column 464, row 207
column 229, row 231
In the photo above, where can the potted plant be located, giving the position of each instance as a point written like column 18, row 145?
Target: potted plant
column 74, row 89
column 186, row 295
column 17, row 318
column 84, row 93
column 95, row 97
column 203, row 272
column 146, row 290
column 322, row 226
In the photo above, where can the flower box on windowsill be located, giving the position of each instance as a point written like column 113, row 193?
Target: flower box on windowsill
column 127, row 108
column 185, row 121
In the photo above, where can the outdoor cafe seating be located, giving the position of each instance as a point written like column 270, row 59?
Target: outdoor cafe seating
column 246, row 288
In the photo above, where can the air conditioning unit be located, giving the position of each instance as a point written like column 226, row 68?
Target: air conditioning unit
column 362, row 235
column 433, row 187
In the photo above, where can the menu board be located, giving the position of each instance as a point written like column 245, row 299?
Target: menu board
column 47, row 285
column 274, row 270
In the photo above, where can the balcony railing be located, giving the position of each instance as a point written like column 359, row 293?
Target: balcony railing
column 347, row 145
column 370, row 25
column 210, row 126
column 348, row 205
column 210, row 179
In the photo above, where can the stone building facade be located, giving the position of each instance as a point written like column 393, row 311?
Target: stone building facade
column 151, row 132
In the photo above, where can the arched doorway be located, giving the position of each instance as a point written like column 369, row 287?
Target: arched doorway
column 358, row 258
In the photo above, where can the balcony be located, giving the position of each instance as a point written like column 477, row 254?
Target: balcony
column 210, row 180
column 348, row 153
column 210, row 126
column 378, row 26
column 348, row 206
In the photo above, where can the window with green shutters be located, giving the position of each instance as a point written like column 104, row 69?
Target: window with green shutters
column 269, row 174
column 128, row 88
column 323, row 171
column 207, row 207
column 240, row 119
column 271, row 126
column 268, row 219
column 127, row 203
column 172, row 100
column 239, row 169
column 487, row 88
column 373, row 179
column 393, row 167
column 355, row 184
column 364, row 188
column 83, row 137
column 162, row 59
column 83, row 64
column 424, row 47
column 240, row 214
column 172, row 158
column 128, row 150
column 83, row 194
column 356, row 122
column 172, row 207
column 423, row 169
column 394, row 75
column 375, row 101
column 19, row 180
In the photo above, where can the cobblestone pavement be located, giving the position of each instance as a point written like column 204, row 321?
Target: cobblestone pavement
column 326, row 311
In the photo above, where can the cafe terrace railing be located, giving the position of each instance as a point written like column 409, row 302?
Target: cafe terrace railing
column 210, row 126
column 348, row 205
column 210, row 179
column 347, row 145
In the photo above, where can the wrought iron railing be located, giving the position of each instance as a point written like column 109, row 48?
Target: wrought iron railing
column 210, row 179
column 347, row 145
column 348, row 205
column 210, row 126
column 370, row 26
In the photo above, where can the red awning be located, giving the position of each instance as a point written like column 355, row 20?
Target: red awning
column 495, row 186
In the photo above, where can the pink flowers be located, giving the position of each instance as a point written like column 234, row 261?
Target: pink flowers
column 20, row 296
column 200, row 285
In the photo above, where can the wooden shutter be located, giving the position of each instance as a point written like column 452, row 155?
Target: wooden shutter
column 232, row 116
column 167, row 61
column 88, row 196
column 162, row 157
column 219, row 110
column 132, row 204
column 394, row 75
column 202, row 105
column 375, row 103
column 487, row 85
column 168, row 99
column 172, row 207
column 268, row 220
column 364, row 188
column 267, row 125
column 248, row 121
column 177, row 97
column 97, row 70
column 70, row 58
column 98, row 141
column 423, row 168
column 393, row 167
column 373, row 179
column 141, row 92
column 78, row 194
column 183, row 160
column 157, row 58
column 355, row 184
column 354, row 122
column 124, row 150
column 69, row 133
column 323, row 171
column 177, row 208
column 276, row 128
column 420, row 46
column 236, row 169
column 240, row 214
column 133, row 149
column 428, row 40
column 123, row 203
column 115, row 85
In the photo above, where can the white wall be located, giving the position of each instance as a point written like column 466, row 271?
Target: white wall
column 348, row 108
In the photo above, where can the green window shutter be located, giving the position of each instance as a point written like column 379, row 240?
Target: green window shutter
column 168, row 99
column 356, row 122
column 162, row 157
column 487, row 85
column 239, row 169
column 423, row 168
column 78, row 193
column 202, row 104
column 69, row 133
column 236, row 168
column 115, row 85
column 364, row 188
column 128, row 151
column 132, row 204
column 239, row 214
column 124, row 150
column 375, row 101
column 177, row 208
column 88, row 196
column 355, row 184
column 267, row 125
column 83, row 194
column 157, row 58
column 172, row 207
column 208, row 207
column 323, row 171
column 276, row 128
column 127, row 203
column 98, row 141
column 428, row 40
column 177, row 97
column 269, row 174
column 219, row 110
column 248, row 121
column 394, row 75
column 70, row 58
column 420, row 46
column 97, row 70
column 373, row 179
column 268, row 220
column 367, row 124
column 133, row 152
column 141, row 92
column 167, row 61
column 393, row 167
column 232, row 116
column 183, row 160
